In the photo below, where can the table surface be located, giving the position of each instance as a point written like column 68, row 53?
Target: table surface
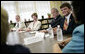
column 44, row 46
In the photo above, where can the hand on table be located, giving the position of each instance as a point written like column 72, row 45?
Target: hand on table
column 45, row 31
column 55, row 30
column 63, row 43
column 56, row 48
column 28, row 30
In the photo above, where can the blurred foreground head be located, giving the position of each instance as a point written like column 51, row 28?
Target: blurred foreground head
column 4, row 25
column 78, row 9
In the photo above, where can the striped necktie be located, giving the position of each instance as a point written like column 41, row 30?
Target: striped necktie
column 65, row 25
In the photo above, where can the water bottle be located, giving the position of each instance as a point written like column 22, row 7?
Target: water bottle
column 51, row 32
column 59, row 34
column 13, row 38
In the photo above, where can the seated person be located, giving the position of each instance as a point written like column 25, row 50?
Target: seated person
column 11, row 25
column 35, row 25
column 57, row 19
column 68, row 23
column 75, row 44
column 19, row 24
column 4, row 32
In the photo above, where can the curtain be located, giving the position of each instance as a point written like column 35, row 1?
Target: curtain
column 26, row 8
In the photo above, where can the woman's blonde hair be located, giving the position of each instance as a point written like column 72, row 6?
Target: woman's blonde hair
column 4, row 25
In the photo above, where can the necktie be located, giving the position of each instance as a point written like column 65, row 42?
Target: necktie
column 18, row 25
column 65, row 25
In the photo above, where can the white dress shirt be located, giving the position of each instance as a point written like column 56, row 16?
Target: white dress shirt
column 35, row 26
column 20, row 25
column 68, row 17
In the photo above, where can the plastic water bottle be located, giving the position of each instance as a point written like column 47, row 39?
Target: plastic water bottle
column 59, row 34
column 13, row 38
column 51, row 32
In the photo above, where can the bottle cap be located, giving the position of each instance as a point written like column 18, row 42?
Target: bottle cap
column 58, row 26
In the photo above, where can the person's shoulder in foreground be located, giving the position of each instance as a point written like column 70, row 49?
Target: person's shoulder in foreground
column 14, row 49
column 80, row 29
column 76, row 45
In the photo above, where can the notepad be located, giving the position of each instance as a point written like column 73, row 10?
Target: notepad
column 39, row 36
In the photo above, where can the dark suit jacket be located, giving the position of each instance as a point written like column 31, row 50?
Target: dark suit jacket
column 56, row 21
column 14, row 49
column 71, row 25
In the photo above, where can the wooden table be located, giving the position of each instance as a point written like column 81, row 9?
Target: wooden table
column 45, row 46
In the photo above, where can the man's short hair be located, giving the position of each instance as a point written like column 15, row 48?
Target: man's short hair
column 18, row 16
column 65, row 5
column 55, row 9
column 34, row 14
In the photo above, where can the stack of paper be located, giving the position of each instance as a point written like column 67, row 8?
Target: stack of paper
column 38, row 37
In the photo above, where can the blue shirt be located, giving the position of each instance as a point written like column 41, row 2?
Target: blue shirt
column 76, row 45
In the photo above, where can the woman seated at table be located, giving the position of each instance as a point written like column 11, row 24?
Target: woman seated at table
column 76, row 43
column 35, row 25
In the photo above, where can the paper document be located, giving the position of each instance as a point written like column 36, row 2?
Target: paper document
column 39, row 36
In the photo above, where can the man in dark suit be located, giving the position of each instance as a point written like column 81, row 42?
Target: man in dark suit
column 57, row 20
column 68, row 23
column 74, row 44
